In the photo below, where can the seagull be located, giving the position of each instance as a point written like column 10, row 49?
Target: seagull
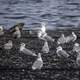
column 17, row 32
column 43, row 35
column 78, row 60
column 38, row 64
column 62, row 53
column 25, row 50
column 19, row 25
column 1, row 31
column 76, row 48
column 45, row 48
column 8, row 45
column 62, row 39
column 71, row 37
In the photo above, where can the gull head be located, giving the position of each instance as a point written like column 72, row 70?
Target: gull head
column 62, row 35
column 1, row 28
column 73, row 33
column 23, row 44
column 9, row 41
column 43, row 27
column 39, row 57
column 59, row 48
column 76, row 44
column 16, row 28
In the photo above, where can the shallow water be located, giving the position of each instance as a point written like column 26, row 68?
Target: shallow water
column 55, row 13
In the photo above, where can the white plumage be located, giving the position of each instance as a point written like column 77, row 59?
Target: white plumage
column 8, row 45
column 62, row 39
column 43, row 35
column 17, row 33
column 45, row 48
column 1, row 31
column 78, row 60
column 66, row 39
column 71, row 37
column 76, row 48
column 26, row 51
column 38, row 64
column 62, row 53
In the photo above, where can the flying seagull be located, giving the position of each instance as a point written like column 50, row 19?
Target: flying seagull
column 25, row 50
column 62, row 53
column 1, row 31
column 43, row 35
column 45, row 48
column 8, row 45
column 38, row 64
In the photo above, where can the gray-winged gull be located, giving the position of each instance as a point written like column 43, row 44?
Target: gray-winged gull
column 17, row 32
column 38, row 64
column 45, row 48
column 62, row 39
column 71, row 37
column 62, row 53
column 43, row 35
column 25, row 50
column 78, row 59
column 76, row 48
column 8, row 45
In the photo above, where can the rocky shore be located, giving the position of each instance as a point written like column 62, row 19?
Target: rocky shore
column 17, row 66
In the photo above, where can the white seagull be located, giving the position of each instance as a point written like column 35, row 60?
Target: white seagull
column 1, row 31
column 62, row 53
column 17, row 32
column 25, row 50
column 62, row 39
column 71, row 37
column 8, row 45
column 45, row 48
column 43, row 35
column 78, row 60
column 76, row 48
column 38, row 64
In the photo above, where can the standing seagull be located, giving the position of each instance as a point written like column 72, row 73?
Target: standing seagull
column 76, row 48
column 19, row 25
column 62, row 53
column 8, row 45
column 38, row 64
column 71, row 37
column 1, row 31
column 78, row 59
column 62, row 39
column 25, row 50
column 43, row 35
column 17, row 32
column 45, row 48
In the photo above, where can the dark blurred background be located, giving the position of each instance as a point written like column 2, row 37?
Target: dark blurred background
column 56, row 13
